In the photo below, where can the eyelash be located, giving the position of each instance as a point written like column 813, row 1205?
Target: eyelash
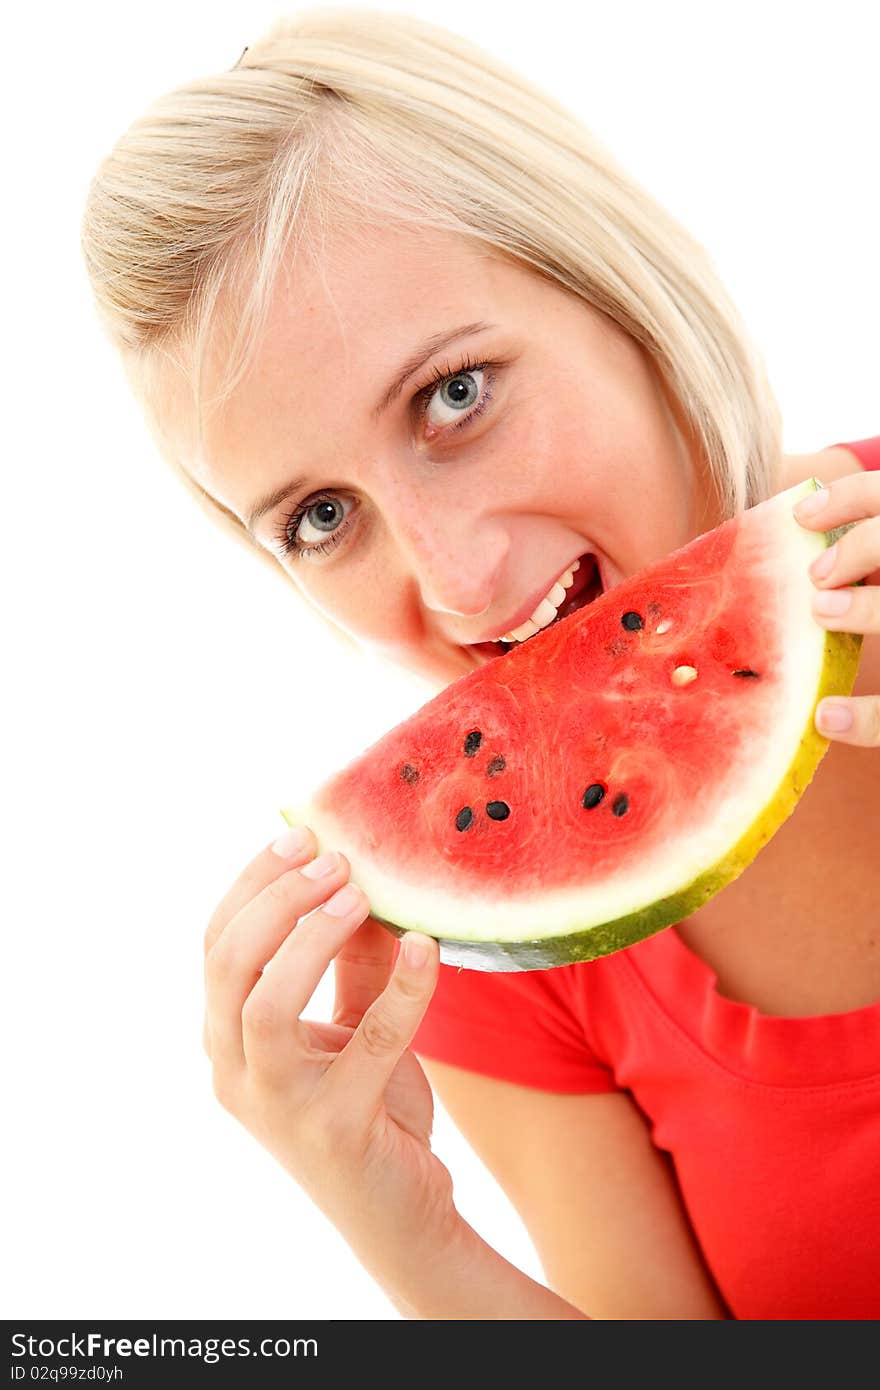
column 421, row 400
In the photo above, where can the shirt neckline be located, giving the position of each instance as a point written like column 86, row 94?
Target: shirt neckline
column 808, row 1050
column 813, row 1049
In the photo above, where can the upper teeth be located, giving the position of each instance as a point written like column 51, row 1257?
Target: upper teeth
column 546, row 610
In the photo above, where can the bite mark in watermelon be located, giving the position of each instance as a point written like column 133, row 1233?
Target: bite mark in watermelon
column 607, row 777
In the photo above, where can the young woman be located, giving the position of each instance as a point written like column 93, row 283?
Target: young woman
column 413, row 338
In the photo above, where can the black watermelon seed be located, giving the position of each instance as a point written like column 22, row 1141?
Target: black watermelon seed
column 632, row 622
column 464, row 818
column 620, row 805
column 619, row 647
column 409, row 773
column 497, row 810
column 495, row 766
column 746, row 672
column 472, row 743
column 592, row 796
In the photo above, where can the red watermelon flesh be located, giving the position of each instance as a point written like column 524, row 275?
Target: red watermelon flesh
column 610, row 774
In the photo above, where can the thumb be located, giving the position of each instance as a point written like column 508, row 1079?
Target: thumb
column 388, row 1026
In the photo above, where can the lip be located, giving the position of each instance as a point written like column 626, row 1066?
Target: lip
column 608, row 579
column 531, row 604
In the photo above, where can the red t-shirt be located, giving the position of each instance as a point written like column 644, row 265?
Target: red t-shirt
column 772, row 1124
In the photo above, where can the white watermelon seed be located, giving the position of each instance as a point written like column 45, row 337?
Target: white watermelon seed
column 683, row 675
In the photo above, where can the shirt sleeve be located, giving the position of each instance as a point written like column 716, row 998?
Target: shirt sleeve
column 867, row 451
column 522, row 1026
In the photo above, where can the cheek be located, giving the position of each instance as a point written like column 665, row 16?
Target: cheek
column 534, row 448
column 582, row 423
column 370, row 606
column 337, row 601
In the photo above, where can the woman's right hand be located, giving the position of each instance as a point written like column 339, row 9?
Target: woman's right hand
column 344, row 1106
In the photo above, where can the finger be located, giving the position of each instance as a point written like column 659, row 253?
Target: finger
column 363, row 1069
column 851, row 498
column 293, row 847
column 848, row 610
column 271, row 1034
column 362, row 969
column 853, row 557
column 855, row 721
column 248, row 943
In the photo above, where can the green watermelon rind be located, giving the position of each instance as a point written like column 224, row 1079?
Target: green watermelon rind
column 839, row 668
column 837, row 675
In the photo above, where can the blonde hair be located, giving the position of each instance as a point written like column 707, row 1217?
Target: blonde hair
column 338, row 115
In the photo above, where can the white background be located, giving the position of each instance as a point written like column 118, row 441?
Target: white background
column 164, row 695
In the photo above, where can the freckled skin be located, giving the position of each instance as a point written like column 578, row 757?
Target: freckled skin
column 453, row 530
column 672, row 769
column 462, row 529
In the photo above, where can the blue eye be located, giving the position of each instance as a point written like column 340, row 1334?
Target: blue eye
column 460, row 394
column 473, row 401
column 322, row 517
column 457, row 394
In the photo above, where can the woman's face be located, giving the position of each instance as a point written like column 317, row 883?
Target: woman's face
column 428, row 516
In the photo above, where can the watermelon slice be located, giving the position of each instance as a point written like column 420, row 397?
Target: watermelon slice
column 608, row 776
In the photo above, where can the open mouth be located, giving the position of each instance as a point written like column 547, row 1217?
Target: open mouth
column 585, row 587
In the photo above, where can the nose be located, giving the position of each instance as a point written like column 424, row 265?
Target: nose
column 456, row 559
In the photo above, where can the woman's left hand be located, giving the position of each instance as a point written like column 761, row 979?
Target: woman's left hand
column 837, row 604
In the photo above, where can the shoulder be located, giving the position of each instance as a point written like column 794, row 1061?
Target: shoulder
column 826, row 464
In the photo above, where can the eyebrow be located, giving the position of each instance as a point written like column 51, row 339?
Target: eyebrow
column 417, row 358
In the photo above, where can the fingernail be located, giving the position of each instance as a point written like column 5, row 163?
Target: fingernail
column 344, row 901
column 810, row 505
column 324, row 864
column 822, row 567
column 415, row 951
column 835, row 718
column 291, row 842
column 832, row 602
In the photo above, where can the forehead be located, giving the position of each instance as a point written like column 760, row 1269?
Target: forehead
column 371, row 292
column 370, row 279
column 342, row 316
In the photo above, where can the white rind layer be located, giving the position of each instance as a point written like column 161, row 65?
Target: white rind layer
column 788, row 550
